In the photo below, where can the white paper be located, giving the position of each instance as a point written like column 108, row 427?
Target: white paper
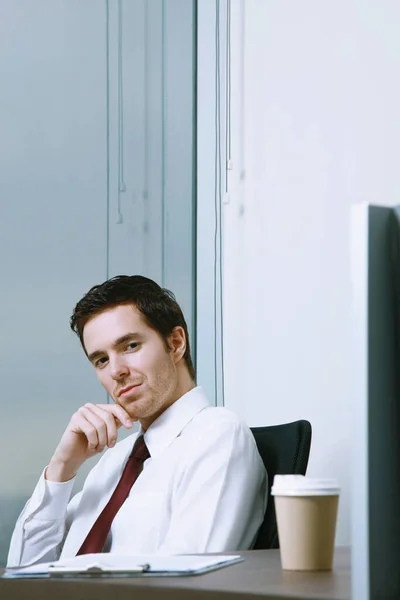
column 109, row 563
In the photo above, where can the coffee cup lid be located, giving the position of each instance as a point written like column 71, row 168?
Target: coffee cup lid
column 299, row 485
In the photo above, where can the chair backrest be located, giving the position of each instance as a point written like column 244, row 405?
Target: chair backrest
column 284, row 450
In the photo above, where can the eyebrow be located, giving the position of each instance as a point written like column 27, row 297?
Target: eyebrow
column 121, row 340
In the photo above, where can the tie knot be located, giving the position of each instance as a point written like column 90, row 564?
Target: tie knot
column 140, row 450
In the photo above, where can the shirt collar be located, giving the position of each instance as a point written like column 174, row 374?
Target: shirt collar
column 173, row 420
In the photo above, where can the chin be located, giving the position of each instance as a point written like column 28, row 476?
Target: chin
column 135, row 408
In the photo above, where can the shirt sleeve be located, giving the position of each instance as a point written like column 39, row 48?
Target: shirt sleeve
column 220, row 500
column 42, row 524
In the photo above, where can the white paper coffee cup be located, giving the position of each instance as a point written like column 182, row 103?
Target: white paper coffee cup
column 306, row 514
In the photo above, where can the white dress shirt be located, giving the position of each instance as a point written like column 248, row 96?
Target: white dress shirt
column 203, row 489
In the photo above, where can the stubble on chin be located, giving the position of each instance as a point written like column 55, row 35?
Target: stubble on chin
column 138, row 408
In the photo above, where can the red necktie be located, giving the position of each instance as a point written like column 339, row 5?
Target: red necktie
column 96, row 538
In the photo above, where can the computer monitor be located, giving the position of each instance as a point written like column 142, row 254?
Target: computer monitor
column 375, row 245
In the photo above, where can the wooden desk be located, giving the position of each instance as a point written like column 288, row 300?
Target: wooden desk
column 260, row 577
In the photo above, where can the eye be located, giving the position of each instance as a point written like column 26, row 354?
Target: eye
column 100, row 362
column 132, row 346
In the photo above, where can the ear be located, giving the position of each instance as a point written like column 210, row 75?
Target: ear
column 177, row 343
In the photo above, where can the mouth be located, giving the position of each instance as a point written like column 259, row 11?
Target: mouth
column 126, row 390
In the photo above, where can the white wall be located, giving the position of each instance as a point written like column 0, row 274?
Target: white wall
column 315, row 127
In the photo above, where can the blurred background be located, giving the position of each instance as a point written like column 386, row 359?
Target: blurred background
column 96, row 179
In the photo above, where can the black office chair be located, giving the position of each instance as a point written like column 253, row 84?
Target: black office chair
column 284, row 450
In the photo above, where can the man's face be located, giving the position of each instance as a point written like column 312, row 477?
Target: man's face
column 131, row 362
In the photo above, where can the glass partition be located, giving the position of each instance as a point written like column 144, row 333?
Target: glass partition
column 96, row 179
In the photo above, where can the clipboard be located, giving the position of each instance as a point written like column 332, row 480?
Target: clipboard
column 117, row 566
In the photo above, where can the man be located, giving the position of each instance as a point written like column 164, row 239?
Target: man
column 190, row 481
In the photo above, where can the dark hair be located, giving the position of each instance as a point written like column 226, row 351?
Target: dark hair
column 157, row 305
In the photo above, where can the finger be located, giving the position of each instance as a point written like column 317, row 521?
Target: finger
column 98, row 424
column 82, row 425
column 120, row 413
column 110, row 423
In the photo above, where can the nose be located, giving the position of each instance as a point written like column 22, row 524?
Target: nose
column 118, row 368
